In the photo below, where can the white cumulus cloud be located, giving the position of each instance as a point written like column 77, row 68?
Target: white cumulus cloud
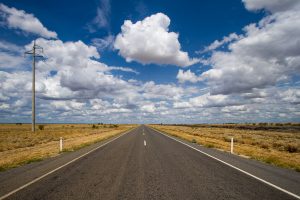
column 72, row 83
column 19, row 19
column 149, row 41
column 267, row 54
column 187, row 76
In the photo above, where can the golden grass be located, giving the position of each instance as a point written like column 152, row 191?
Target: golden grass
column 18, row 145
column 278, row 147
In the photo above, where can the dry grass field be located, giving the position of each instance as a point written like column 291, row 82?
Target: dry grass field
column 277, row 144
column 18, row 145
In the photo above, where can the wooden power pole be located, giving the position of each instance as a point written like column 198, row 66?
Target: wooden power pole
column 34, row 53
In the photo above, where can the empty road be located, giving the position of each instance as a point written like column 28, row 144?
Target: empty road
column 144, row 164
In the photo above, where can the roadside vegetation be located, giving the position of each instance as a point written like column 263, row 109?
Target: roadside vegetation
column 275, row 143
column 18, row 145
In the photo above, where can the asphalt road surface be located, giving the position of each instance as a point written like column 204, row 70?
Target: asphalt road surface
column 144, row 164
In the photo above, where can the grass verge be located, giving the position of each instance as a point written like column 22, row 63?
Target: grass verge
column 19, row 146
column 280, row 147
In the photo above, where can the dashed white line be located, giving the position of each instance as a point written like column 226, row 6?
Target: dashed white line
column 145, row 143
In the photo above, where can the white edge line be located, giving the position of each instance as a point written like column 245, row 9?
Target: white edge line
column 58, row 168
column 247, row 173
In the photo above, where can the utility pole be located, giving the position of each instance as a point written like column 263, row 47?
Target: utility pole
column 34, row 53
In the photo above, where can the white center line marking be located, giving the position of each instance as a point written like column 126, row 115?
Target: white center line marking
column 234, row 167
column 145, row 143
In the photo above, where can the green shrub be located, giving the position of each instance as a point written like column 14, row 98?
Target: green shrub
column 263, row 124
column 113, row 126
column 227, row 139
column 41, row 127
column 264, row 146
column 209, row 145
column 271, row 160
column 291, row 148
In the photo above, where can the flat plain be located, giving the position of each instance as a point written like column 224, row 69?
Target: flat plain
column 165, row 168
column 277, row 144
column 19, row 145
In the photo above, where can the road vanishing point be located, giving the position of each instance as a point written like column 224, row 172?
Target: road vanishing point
column 146, row 164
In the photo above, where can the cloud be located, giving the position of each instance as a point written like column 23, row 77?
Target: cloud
column 105, row 43
column 187, row 76
column 207, row 100
column 273, row 6
column 8, row 60
column 74, row 85
column 102, row 18
column 72, row 82
column 165, row 91
column 149, row 41
column 231, row 109
column 124, row 69
column 67, row 105
column 113, row 100
column 4, row 106
column 271, row 105
column 267, row 53
column 216, row 44
column 77, row 74
column 291, row 96
column 19, row 19
column 14, row 83
column 148, row 108
column 9, row 47
column 69, row 54
column 11, row 56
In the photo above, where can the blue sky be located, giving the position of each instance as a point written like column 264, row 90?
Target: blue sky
column 199, row 24
column 152, row 61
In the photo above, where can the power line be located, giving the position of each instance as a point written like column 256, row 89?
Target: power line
column 35, row 52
